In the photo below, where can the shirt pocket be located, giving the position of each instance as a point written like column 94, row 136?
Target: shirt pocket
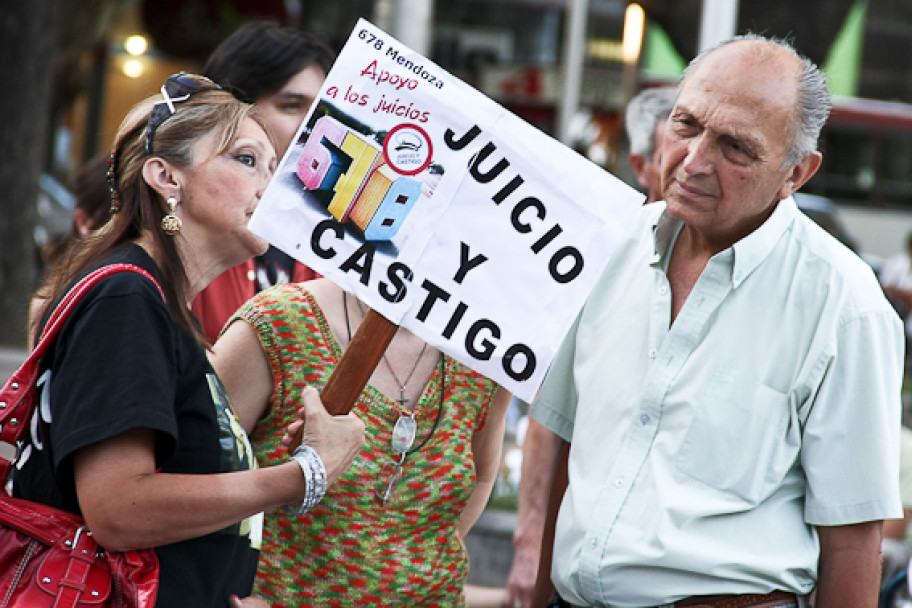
column 738, row 441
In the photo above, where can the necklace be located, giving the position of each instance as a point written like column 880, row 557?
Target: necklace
column 403, row 438
column 406, row 427
column 403, row 400
column 403, row 386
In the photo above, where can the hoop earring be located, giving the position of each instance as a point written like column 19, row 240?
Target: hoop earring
column 171, row 224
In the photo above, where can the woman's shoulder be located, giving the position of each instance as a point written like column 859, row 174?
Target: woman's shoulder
column 125, row 303
column 465, row 378
column 283, row 296
column 135, row 286
column 285, row 308
column 138, row 274
column 321, row 290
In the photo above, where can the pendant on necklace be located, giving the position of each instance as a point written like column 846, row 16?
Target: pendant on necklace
column 404, row 433
column 403, row 400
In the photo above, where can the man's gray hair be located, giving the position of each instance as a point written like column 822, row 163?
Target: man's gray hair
column 643, row 113
column 813, row 97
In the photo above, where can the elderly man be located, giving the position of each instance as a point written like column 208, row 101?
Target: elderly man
column 731, row 389
column 645, row 123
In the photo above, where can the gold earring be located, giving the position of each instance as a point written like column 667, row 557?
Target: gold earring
column 171, row 224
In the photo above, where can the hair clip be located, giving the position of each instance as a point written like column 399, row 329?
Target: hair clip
column 111, row 176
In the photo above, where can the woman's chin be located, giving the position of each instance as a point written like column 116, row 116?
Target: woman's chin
column 262, row 246
column 253, row 244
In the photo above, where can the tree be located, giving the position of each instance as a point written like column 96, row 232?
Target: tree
column 42, row 45
column 28, row 44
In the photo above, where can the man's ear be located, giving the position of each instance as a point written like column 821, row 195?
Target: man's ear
column 161, row 177
column 801, row 173
column 638, row 164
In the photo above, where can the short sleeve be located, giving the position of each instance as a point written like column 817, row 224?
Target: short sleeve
column 555, row 405
column 114, row 369
column 850, row 445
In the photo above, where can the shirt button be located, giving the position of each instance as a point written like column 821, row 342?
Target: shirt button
column 652, row 353
column 644, row 418
column 251, row 275
column 663, row 290
column 619, row 482
column 593, row 543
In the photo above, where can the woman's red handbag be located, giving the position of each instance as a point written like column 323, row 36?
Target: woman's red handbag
column 48, row 557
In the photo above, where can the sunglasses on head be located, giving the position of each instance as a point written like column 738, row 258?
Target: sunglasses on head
column 177, row 88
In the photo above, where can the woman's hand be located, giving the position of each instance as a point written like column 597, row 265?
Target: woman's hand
column 247, row 602
column 337, row 439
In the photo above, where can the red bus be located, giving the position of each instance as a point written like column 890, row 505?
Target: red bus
column 867, row 171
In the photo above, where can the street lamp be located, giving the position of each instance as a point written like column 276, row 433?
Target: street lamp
column 136, row 45
column 634, row 25
column 631, row 44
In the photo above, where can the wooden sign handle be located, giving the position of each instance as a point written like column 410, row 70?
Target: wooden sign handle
column 358, row 363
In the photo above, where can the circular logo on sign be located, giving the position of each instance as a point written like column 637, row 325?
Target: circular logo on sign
column 407, row 149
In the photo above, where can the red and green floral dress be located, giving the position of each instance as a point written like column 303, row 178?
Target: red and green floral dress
column 354, row 548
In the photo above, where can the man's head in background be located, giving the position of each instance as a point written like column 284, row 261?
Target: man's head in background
column 645, row 122
column 279, row 69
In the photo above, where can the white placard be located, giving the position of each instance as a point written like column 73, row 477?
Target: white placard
column 443, row 211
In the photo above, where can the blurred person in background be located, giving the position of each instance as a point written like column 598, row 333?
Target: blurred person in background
column 92, row 207
column 895, row 548
column 896, row 280
column 644, row 121
column 91, row 210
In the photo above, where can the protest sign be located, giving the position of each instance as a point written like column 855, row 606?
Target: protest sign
column 444, row 212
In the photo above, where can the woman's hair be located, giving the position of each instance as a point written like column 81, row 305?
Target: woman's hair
column 141, row 207
column 260, row 57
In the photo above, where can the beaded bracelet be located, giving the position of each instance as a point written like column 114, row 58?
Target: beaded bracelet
column 314, row 475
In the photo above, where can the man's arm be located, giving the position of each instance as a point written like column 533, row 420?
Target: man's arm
column 540, row 451
column 849, row 568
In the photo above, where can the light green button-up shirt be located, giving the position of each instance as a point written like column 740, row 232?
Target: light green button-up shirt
column 704, row 453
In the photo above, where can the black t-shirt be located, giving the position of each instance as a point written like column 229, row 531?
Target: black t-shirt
column 121, row 362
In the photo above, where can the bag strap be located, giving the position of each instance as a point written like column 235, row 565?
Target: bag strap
column 17, row 400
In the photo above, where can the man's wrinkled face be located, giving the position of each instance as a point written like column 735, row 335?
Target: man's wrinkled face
column 727, row 139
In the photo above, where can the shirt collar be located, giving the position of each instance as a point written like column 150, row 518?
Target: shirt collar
column 749, row 252
column 665, row 229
